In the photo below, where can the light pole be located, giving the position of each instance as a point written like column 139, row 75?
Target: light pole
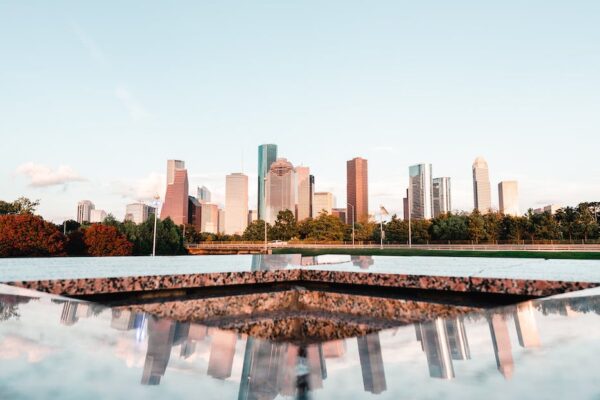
column 409, row 215
column 264, row 216
column 352, row 223
column 156, row 204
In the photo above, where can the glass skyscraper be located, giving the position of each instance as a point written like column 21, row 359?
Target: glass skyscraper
column 267, row 154
column 442, row 200
column 420, row 188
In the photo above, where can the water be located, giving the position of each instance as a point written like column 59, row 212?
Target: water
column 22, row 269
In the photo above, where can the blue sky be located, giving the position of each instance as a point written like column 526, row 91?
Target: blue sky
column 95, row 97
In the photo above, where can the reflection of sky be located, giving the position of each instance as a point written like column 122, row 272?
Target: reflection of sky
column 91, row 359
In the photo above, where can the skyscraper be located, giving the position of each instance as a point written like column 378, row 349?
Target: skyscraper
column 508, row 194
column 482, row 190
column 236, row 203
column 305, row 193
column 209, row 218
column 97, row 216
column 323, row 201
column 267, row 154
column 138, row 212
column 84, row 210
column 222, row 215
column 281, row 189
column 442, row 199
column 176, row 198
column 420, row 188
column 204, row 195
column 357, row 189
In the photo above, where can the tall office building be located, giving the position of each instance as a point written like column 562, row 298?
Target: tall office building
column 194, row 213
column 138, row 212
column 204, row 195
column 209, row 218
column 176, row 198
column 442, row 199
column 482, row 189
column 252, row 216
column 236, row 203
column 420, row 191
column 340, row 213
column 323, row 201
column 267, row 154
column 357, row 189
column 508, row 194
column 281, row 189
column 97, row 216
column 305, row 193
column 222, row 219
column 84, row 210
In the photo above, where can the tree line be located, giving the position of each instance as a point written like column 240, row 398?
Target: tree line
column 24, row 234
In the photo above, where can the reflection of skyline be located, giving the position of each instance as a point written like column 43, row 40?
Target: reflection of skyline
column 435, row 344
column 371, row 363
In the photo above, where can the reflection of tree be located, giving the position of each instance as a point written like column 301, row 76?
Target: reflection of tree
column 9, row 306
column 577, row 304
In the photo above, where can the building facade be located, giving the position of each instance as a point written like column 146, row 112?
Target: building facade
column 204, row 195
column 176, row 198
column 97, row 216
column 305, row 193
column 442, row 197
column 323, row 201
column 420, row 191
column 508, row 196
column 84, row 211
column 357, row 189
column 281, row 189
column 340, row 213
column 138, row 212
column 252, row 216
column 209, row 218
column 222, row 217
column 236, row 203
column 482, row 189
column 267, row 154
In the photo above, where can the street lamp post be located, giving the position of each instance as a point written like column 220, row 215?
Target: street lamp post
column 409, row 215
column 352, row 223
column 264, row 216
column 156, row 203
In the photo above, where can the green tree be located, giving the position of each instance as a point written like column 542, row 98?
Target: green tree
column 476, row 226
column 255, row 232
column 513, row 229
column 20, row 206
column 586, row 222
column 449, row 227
column 396, row 230
column 285, row 227
column 567, row 220
column 325, row 227
column 492, row 225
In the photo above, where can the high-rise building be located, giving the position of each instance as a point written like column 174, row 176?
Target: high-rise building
column 340, row 213
column 420, row 191
column 84, row 209
column 405, row 207
column 305, row 193
column 442, row 199
column 482, row 189
column 357, row 189
column 209, row 218
column 222, row 220
column 204, row 195
column 97, row 216
column 195, row 213
column 138, row 212
column 508, row 195
column 323, row 201
column 252, row 216
column 281, row 189
column 552, row 209
column 236, row 203
column 176, row 198
column 267, row 154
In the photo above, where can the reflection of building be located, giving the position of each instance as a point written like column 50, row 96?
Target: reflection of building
column 262, row 375
column 222, row 351
column 364, row 262
column 281, row 189
column 457, row 339
column 316, row 366
column 122, row 320
column 434, row 340
column 161, row 333
column 334, row 349
column 526, row 327
column 84, row 209
column 267, row 262
column 236, row 203
column 267, row 154
column 442, row 197
column 420, row 185
column 502, row 347
column 69, row 313
column 371, row 363
column 357, row 189
column 175, row 205
column 482, row 190
column 508, row 195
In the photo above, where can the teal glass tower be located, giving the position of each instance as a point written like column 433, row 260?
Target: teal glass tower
column 267, row 154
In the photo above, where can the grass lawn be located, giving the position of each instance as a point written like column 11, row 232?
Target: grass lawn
column 562, row 255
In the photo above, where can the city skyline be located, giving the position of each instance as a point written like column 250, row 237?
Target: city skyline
column 395, row 92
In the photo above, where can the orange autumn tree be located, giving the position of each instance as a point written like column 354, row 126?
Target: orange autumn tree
column 27, row 235
column 105, row 241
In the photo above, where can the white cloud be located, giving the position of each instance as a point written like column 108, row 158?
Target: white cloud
column 90, row 45
column 136, row 110
column 143, row 189
column 42, row 176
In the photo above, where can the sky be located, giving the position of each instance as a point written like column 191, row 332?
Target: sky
column 95, row 97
